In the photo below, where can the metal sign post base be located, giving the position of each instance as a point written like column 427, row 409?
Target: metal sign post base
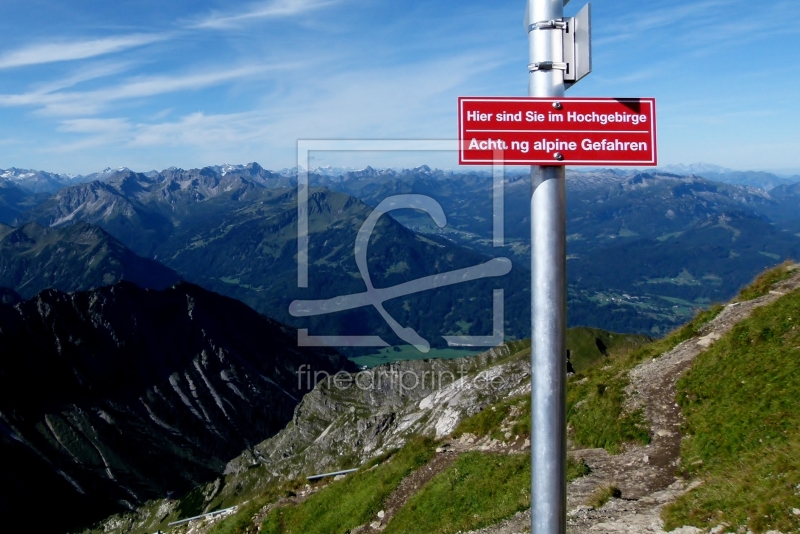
column 548, row 351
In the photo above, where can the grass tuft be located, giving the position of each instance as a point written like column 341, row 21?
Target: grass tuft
column 766, row 281
column 577, row 468
column 602, row 495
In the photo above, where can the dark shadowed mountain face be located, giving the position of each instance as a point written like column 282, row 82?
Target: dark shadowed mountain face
column 72, row 258
column 9, row 296
column 114, row 396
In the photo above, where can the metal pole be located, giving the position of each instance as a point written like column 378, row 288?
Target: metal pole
column 548, row 296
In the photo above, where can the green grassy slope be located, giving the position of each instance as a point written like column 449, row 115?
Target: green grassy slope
column 595, row 410
column 742, row 403
column 588, row 346
column 478, row 490
column 353, row 501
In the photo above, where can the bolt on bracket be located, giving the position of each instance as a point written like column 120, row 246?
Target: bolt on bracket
column 547, row 65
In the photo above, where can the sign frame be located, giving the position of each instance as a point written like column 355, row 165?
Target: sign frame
column 556, row 103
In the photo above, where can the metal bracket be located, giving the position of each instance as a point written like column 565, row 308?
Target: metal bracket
column 548, row 25
column 547, row 65
column 578, row 46
column 526, row 22
column 577, row 39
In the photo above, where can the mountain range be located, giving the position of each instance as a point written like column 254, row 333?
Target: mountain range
column 694, row 432
column 645, row 250
column 232, row 229
column 236, row 233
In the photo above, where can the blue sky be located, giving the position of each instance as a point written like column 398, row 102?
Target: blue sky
column 150, row 84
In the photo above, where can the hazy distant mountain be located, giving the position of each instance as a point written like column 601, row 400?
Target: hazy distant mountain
column 115, row 207
column 787, row 215
column 142, row 209
column 72, row 258
column 14, row 201
column 763, row 180
column 693, row 168
column 117, row 395
column 37, row 181
column 101, row 176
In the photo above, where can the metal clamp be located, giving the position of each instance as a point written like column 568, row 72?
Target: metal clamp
column 548, row 25
column 547, row 65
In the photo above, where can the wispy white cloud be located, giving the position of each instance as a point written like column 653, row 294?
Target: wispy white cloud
column 262, row 10
column 362, row 103
column 96, row 126
column 686, row 17
column 94, row 133
column 84, row 74
column 53, row 52
column 91, row 102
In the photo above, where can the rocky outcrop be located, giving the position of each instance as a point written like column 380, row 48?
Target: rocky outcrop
column 336, row 427
column 115, row 396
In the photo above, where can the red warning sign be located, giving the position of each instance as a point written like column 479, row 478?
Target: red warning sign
column 557, row 131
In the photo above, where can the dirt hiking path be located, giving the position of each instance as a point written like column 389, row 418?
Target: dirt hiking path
column 646, row 475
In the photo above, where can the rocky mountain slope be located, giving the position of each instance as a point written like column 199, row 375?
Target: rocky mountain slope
column 118, row 395
column 72, row 258
column 142, row 209
column 645, row 471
